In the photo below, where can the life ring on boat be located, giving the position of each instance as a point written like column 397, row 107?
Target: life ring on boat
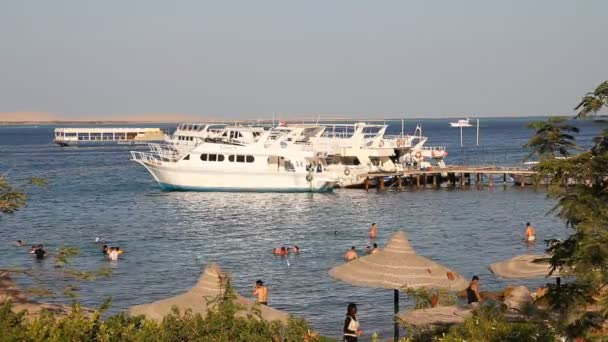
column 346, row 172
column 418, row 155
column 381, row 143
column 309, row 178
column 400, row 142
column 445, row 153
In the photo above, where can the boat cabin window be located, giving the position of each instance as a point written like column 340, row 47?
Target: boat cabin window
column 231, row 158
column 220, row 157
column 204, row 157
column 250, row 159
column 195, row 128
column 69, row 134
column 213, row 157
column 240, row 159
column 187, row 157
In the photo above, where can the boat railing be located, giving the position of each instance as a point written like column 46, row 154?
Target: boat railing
column 147, row 158
column 433, row 148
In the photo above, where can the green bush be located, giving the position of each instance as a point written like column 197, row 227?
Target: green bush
column 488, row 324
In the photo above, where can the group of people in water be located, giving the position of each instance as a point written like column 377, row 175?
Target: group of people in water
column 283, row 251
column 351, row 254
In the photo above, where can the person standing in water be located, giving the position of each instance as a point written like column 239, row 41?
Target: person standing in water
column 373, row 231
column 375, row 249
column 530, row 233
column 352, row 331
column 261, row 292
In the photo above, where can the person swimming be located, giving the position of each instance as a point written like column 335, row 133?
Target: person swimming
column 18, row 243
column 530, row 233
column 113, row 254
column 351, row 254
column 280, row 251
column 368, row 250
column 295, row 249
column 104, row 249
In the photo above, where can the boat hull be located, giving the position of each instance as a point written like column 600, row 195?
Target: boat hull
column 171, row 178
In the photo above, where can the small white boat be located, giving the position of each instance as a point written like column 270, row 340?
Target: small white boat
column 461, row 123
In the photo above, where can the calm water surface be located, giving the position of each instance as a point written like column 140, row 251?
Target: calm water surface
column 169, row 237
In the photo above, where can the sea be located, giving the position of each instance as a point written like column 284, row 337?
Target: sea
column 169, row 237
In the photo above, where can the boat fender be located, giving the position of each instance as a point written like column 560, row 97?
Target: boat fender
column 309, row 178
column 346, row 172
column 418, row 155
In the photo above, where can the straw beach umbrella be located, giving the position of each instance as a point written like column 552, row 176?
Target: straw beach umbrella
column 525, row 266
column 395, row 267
column 206, row 289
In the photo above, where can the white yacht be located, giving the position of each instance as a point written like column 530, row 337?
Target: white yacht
column 461, row 123
column 272, row 165
column 188, row 135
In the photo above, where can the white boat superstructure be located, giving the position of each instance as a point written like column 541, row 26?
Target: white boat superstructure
column 265, row 165
column 189, row 135
column 461, row 123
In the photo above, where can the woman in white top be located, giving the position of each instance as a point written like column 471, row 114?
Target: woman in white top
column 351, row 325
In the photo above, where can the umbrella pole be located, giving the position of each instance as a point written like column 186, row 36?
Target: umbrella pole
column 396, row 298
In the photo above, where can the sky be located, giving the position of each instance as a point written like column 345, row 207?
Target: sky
column 299, row 59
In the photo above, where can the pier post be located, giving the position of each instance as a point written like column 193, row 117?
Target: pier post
column 468, row 179
column 521, row 181
column 366, row 183
column 462, row 179
column 435, row 180
column 477, row 178
column 417, row 181
column 490, row 180
column 504, row 180
column 399, row 185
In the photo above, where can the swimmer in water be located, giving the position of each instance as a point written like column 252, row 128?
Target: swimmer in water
column 530, row 233
column 280, row 251
column 18, row 243
column 373, row 231
column 375, row 249
column 351, row 254
column 261, row 292
column 295, row 249
column 368, row 250
column 104, row 249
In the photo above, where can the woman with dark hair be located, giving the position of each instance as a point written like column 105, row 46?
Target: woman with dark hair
column 351, row 325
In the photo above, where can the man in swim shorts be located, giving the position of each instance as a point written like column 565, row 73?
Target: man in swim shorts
column 530, row 232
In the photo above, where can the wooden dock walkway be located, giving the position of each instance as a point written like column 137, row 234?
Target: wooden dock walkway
column 453, row 175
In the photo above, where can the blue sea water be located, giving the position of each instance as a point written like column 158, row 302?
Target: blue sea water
column 169, row 237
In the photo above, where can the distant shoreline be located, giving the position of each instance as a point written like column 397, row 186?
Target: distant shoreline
column 129, row 122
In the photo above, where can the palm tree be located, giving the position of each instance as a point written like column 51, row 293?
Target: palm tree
column 552, row 136
column 593, row 102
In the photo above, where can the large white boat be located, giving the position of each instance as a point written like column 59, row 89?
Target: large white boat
column 461, row 123
column 265, row 165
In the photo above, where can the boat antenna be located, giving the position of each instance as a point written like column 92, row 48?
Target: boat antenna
column 477, row 142
column 272, row 119
column 402, row 123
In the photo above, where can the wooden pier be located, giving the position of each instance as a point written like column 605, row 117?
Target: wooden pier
column 454, row 176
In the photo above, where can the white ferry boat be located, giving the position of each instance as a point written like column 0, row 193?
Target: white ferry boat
column 266, row 165
column 73, row 136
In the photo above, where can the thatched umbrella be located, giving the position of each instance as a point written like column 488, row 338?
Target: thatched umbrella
column 524, row 267
column 208, row 288
column 441, row 315
column 395, row 267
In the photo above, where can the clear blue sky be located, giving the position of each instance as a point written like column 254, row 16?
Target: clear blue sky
column 247, row 59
